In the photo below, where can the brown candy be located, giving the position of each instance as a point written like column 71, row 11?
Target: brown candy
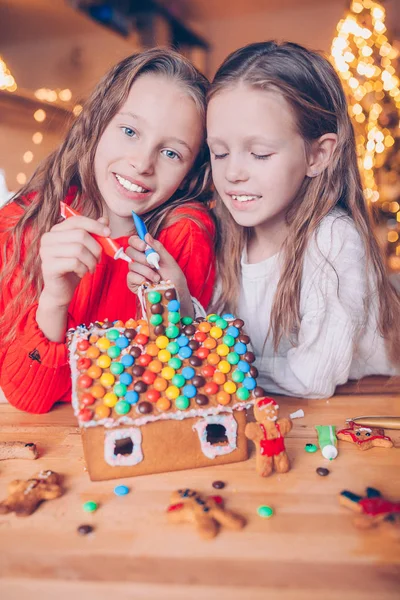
column 195, row 361
column 170, row 294
column 189, row 330
column 218, row 485
column 130, row 333
column 135, row 351
column 253, row 372
column 157, row 309
column 244, row 339
column 238, row 323
column 198, row 381
column 159, row 329
column 144, row 408
column 322, row 471
column 249, row 357
column 140, row 387
column 259, row 392
column 201, row 400
column 193, row 345
column 84, row 529
column 137, row 370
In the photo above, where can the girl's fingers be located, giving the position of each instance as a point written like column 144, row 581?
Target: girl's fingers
column 144, row 272
column 136, row 255
column 65, row 266
column 57, row 242
column 136, row 243
column 85, row 223
column 72, row 251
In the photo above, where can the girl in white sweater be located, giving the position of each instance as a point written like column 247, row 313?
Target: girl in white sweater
column 297, row 256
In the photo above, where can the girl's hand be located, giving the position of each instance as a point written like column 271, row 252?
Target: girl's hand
column 140, row 270
column 68, row 252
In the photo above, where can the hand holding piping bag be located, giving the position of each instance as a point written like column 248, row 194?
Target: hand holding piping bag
column 152, row 257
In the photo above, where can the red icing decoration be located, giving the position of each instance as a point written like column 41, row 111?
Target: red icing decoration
column 217, row 499
column 271, row 447
column 172, row 507
column 378, row 506
column 350, row 432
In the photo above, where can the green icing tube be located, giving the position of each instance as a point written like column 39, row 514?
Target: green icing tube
column 327, row 441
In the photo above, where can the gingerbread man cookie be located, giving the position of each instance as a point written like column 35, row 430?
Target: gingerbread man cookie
column 25, row 496
column 372, row 509
column 18, row 450
column 267, row 434
column 208, row 514
column 364, row 437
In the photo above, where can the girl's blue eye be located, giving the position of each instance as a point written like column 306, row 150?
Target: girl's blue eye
column 128, row 131
column 171, row 154
column 261, row 156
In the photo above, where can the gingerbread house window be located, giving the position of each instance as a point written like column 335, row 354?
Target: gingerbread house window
column 123, row 447
column 217, row 434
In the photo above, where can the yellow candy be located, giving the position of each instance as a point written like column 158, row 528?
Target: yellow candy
column 222, row 350
column 107, row 379
column 172, row 392
column 162, row 341
column 216, row 332
column 168, row 373
column 104, row 361
column 103, row 343
column 163, row 404
column 164, row 356
column 230, row 387
column 110, row 399
column 224, row 366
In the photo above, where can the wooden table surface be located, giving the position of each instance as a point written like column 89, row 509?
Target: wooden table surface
column 309, row 549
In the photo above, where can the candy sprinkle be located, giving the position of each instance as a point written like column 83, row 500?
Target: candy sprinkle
column 311, row 448
column 121, row 490
column 90, row 506
column 265, row 512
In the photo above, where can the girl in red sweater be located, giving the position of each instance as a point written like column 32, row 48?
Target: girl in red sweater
column 137, row 145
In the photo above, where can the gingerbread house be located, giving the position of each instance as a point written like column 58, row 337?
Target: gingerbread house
column 164, row 393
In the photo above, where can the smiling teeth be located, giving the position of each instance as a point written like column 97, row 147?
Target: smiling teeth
column 244, row 198
column 131, row 187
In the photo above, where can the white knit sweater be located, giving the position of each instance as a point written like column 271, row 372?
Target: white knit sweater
column 338, row 340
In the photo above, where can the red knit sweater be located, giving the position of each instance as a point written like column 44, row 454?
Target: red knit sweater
column 34, row 372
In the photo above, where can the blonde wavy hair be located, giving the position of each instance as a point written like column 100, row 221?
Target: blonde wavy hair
column 71, row 167
column 309, row 84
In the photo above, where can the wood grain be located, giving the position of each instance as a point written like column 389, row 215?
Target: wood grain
column 308, row 550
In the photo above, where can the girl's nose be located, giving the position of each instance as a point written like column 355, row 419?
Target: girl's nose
column 236, row 171
column 143, row 162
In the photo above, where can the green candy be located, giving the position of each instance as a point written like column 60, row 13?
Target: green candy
column 311, row 448
column 172, row 331
column 122, row 407
column 117, row 368
column 173, row 348
column 114, row 351
column 187, row 320
column 174, row 317
column 237, row 376
column 213, row 318
column 265, row 512
column 221, row 323
column 120, row 390
column 242, row 393
column 90, row 506
column 178, row 380
column 156, row 319
column 154, row 297
column 175, row 363
column 182, row 402
column 233, row 358
column 229, row 340
column 112, row 334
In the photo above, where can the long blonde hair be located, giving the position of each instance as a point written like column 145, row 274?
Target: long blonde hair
column 313, row 90
column 71, row 167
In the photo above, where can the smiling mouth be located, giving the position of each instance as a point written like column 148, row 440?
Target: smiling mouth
column 244, row 197
column 129, row 186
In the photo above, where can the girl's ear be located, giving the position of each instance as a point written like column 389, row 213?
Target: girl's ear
column 321, row 153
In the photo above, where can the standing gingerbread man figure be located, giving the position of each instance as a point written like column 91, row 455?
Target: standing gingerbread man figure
column 267, row 434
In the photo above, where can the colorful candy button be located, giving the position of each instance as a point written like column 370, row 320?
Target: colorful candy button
column 229, row 340
column 144, row 360
column 121, row 490
column 173, row 305
column 233, row 331
column 98, row 391
column 162, row 341
column 249, row 383
column 213, row 358
column 131, row 396
column 117, row 368
column 84, row 381
column 127, row 360
column 142, row 339
column 185, row 352
column 221, row 323
column 174, row 317
column 82, row 345
column 188, row 372
column 189, row 391
column 156, row 320
column 212, row 317
column 107, row 379
column 164, row 356
column 112, row 334
column 182, row 403
column 122, row 407
column 187, row 320
column 219, row 377
column 211, row 388
column 240, row 348
column 160, row 384
column 233, row 358
column 87, row 399
column 120, row 390
column 228, row 316
column 122, row 342
column 126, row 379
column 102, row 412
column 175, row 363
column 230, row 387
column 114, row 351
column 216, row 332
column 83, row 364
column 172, row 392
column 93, row 352
column 163, row 404
column 94, row 371
column 173, row 347
column 223, row 398
column 242, row 394
column 244, row 366
column 265, row 512
column 222, row 350
column 224, row 366
column 182, row 340
column 103, row 343
column 167, row 373
column 90, row 506
column 154, row 297
column 148, row 377
column 153, row 395
column 178, row 380
column 85, row 414
column 155, row 366
column 311, row 448
column 172, row 331
column 210, row 343
column 110, row 399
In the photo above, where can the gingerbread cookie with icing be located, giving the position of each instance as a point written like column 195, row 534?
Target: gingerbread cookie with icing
column 208, row 513
column 372, row 509
column 364, row 437
column 25, row 496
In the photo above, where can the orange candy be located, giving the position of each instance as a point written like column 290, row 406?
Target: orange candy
column 131, row 324
column 223, row 398
column 145, row 330
column 219, row 378
column 93, row 339
column 155, row 366
column 93, row 351
column 152, row 349
column 102, row 411
column 210, row 343
column 213, row 358
column 98, row 391
column 160, row 384
column 163, row 404
column 204, row 326
column 118, row 324
column 94, row 372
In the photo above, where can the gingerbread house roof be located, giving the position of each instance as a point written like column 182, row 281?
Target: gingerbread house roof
column 162, row 366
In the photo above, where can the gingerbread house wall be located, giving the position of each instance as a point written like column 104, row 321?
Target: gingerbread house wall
column 165, row 445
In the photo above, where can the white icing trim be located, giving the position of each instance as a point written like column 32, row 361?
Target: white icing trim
column 119, row 460
column 212, row 450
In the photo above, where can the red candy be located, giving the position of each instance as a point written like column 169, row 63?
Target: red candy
column 153, row 395
column 200, row 336
column 202, row 353
column 84, row 381
column 211, row 388
column 144, row 360
column 208, row 371
column 82, row 345
column 149, row 377
column 87, row 399
column 217, row 499
column 85, row 414
column 141, row 339
column 83, row 364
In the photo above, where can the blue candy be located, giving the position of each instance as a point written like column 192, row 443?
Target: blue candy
column 233, row 331
column 185, row 352
column 122, row 342
column 188, row 372
column 174, row 306
column 240, row 348
column 243, row 366
column 182, row 340
column 126, row 378
column 249, row 383
column 121, row 490
column 127, row 360
column 227, row 317
column 132, row 397
column 189, row 391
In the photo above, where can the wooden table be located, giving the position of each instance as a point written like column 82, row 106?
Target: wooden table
column 309, row 549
